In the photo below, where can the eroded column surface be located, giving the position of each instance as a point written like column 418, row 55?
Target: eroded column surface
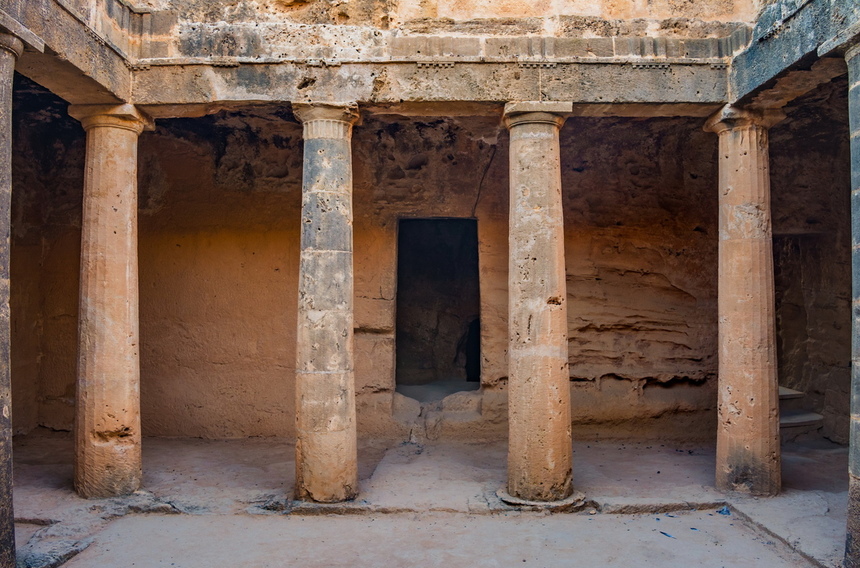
column 107, row 419
column 326, row 455
column 10, row 48
column 852, row 540
column 748, row 454
column 539, row 450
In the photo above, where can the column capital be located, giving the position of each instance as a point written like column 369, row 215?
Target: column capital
column 531, row 112
column 343, row 112
column 731, row 117
column 124, row 116
column 326, row 120
column 11, row 43
column 854, row 50
column 11, row 26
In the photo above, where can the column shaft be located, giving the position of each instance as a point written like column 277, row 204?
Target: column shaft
column 748, row 453
column 10, row 48
column 107, row 419
column 326, row 454
column 852, row 540
column 539, row 451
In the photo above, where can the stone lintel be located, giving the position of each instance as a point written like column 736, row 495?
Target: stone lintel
column 10, row 25
column 391, row 84
column 796, row 83
column 730, row 117
column 119, row 116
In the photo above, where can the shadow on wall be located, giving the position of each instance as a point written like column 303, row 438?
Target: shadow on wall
column 438, row 329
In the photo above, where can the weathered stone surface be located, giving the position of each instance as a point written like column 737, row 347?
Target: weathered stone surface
column 786, row 34
column 748, row 453
column 219, row 250
column 326, row 459
column 80, row 64
column 220, row 208
column 10, row 48
column 603, row 82
column 812, row 252
column 107, row 424
column 539, row 451
column 852, row 545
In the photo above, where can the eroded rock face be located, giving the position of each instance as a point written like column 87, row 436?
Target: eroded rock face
column 398, row 12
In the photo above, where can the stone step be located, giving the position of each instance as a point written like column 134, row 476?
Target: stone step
column 790, row 399
column 792, row 418
column 796, row 423
column 786, row 393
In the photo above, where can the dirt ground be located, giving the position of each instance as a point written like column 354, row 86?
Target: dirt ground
column 226, row 503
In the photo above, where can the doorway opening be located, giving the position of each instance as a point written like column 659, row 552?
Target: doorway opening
column 438, row 307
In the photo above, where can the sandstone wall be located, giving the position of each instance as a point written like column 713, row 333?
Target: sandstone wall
column 47, row 170
column 640, row 230
column 482, row 16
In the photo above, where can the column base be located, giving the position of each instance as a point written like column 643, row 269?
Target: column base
column 575, row 502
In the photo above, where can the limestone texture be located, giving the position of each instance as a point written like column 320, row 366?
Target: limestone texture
column 107, row 416
column 10, row 48
column 220, row 204
column 637, row 277
column 748, row 431
column 326, row 443
column 539, row 454
column 852, row 542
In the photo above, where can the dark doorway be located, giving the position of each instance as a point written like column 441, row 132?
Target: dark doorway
column 438, row 306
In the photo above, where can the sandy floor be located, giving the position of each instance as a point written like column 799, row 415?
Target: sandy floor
column 701, row 539
column 225, row 503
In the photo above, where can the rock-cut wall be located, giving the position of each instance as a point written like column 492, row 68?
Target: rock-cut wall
column 218, row 234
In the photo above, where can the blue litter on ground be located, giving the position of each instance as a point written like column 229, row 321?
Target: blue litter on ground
column 724, row 511
column 667, row 534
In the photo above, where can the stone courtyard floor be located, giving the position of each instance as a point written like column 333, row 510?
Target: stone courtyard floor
column 211, row 503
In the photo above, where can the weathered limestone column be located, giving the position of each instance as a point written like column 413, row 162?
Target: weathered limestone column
column 326, row 455
column 748, row 454
column 539, row 446
column 852, row 540
column 10, row 48
column 107, row 419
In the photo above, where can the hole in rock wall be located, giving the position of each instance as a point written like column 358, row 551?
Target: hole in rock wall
column 438, row 305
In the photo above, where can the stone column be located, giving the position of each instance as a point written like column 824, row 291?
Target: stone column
column 539, row 446
column 107, row 419
column 852, row 540
column 748, row 455
column 10, row 48
column 326, row 456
